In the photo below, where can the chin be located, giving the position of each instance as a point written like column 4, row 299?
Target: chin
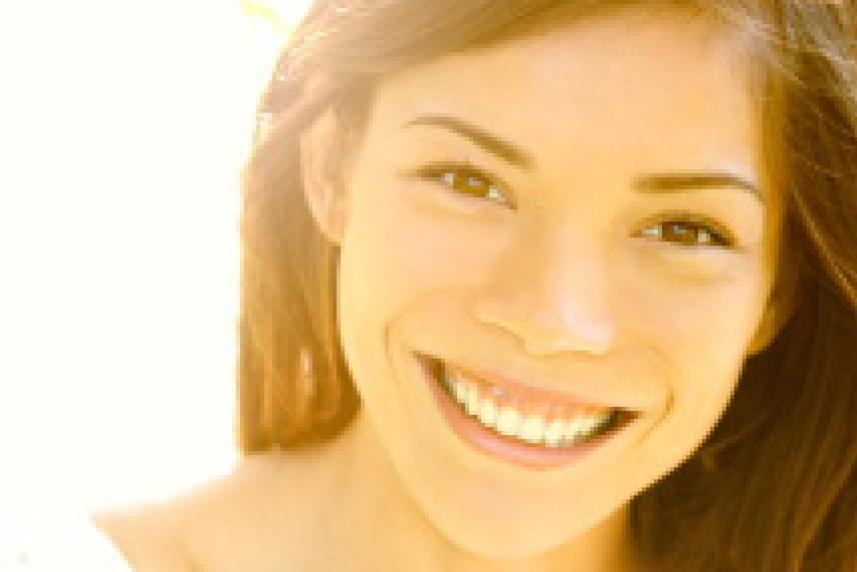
column 492, row 538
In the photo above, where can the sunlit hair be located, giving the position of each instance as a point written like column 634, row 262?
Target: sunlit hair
column 774, row 486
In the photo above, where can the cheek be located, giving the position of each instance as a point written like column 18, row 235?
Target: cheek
column 698, row 337
column 393, row 256
column 701, row 333
column 692, row 305
column 404, row 248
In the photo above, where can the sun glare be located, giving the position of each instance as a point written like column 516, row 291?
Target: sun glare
column 119, row 215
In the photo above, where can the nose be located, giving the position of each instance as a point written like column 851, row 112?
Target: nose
column 551, row 301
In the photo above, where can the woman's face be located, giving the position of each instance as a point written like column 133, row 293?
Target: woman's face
column 573, row 254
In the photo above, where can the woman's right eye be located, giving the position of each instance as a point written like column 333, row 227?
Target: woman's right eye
column 467, row 180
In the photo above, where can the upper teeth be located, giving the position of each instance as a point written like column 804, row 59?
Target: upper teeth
column 509, row 420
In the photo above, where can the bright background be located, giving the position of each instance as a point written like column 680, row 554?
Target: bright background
column 123, row 126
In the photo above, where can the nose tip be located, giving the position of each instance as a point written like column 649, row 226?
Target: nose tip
column 544, row 328
column 554, row 294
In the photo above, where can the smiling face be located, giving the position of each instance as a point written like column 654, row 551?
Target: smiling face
column 582, row 209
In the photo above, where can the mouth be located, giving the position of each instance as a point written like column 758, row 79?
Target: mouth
column 537, row 431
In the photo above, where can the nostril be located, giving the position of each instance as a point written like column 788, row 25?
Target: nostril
column 544, row 331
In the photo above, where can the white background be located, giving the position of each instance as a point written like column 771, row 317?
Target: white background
column 123, row 126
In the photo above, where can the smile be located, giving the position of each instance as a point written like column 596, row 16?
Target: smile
column 533, row 429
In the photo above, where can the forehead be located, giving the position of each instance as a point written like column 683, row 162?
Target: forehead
column 663, row 87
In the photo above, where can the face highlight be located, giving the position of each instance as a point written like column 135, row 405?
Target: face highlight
column 583, row 214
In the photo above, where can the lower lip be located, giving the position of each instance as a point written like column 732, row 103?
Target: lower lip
column 508, row 449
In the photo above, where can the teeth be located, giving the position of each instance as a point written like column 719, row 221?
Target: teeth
column 532, row 428
column 508, row 420
column 459, row 390
column 580, row 427
column 472, row 402
column 554, row 432
column 488, row 413
column 575, row 429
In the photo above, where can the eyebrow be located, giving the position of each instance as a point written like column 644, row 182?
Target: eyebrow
column 503, row 149
column 668, row 182
column 692, row 181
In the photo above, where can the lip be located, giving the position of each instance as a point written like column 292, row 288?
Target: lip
column 508, row 449
column 529, row 391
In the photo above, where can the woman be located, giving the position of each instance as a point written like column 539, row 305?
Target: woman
column 543, row 285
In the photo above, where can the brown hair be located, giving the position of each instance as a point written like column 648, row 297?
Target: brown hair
column 774, row 486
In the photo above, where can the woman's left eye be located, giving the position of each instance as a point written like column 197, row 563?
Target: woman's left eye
column 688, row 233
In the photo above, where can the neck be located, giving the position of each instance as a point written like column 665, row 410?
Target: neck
column 379, row 525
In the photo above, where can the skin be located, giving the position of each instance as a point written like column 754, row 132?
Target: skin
column 562, row 287
column 565, row 286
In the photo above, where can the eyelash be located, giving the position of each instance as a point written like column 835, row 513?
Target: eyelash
column 712, row 233
column 433, row 173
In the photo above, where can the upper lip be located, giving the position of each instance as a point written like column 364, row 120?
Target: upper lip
column 537, row 390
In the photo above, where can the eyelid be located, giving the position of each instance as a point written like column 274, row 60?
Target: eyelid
column 434, row 169
column 704, row 221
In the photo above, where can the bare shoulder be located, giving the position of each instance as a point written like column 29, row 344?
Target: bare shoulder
column 250, row 517
column 143, row 537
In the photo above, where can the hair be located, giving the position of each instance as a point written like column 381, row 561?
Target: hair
column 774, row 486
